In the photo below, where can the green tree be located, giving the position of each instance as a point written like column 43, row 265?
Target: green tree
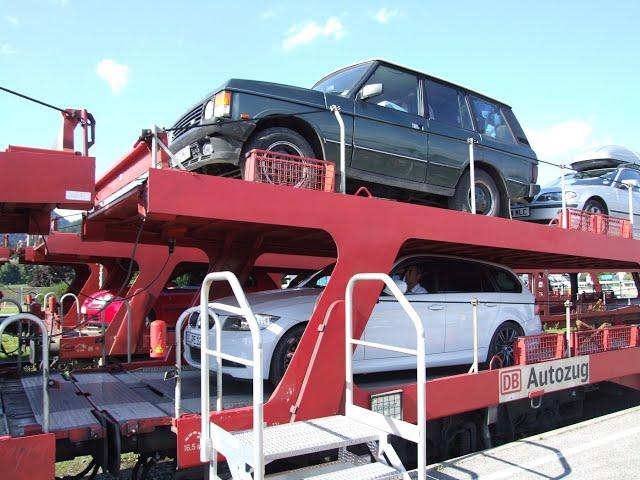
column 10, row 274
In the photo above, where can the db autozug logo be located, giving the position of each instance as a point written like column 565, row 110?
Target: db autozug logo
column 510, row 381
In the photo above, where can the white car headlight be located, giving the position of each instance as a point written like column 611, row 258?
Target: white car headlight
column 208, row 110
column 568, row 196
column 238, row 323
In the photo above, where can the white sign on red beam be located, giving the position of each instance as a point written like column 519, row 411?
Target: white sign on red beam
column 528, row 381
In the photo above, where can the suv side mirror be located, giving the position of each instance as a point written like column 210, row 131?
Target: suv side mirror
column 371, row 90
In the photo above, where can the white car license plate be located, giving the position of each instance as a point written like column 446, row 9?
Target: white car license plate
column 520, row 212
column 193, row 339
column 183, row 154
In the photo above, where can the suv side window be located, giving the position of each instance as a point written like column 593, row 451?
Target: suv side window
column 400, row 90
column 490, row 120
column 447, row 105
column 515, row 125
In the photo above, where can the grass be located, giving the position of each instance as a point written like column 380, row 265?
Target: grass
column 7, row 308
column 75, row 466
column 10, row 343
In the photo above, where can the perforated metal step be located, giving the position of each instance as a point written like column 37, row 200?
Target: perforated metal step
column 299, row 438
column 341, row 471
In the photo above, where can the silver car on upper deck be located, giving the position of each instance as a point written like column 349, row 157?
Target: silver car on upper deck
column 598, row 183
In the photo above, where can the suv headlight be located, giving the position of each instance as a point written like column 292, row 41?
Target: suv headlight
column 222, row 104
column 238, row 323
column 208, row 110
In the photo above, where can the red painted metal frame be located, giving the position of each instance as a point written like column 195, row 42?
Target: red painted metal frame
column 5, row 254
column 28, row 458
column 366, row 235
column 623, row 314
column 34, row 181
column 235, row 222
column 69, row 248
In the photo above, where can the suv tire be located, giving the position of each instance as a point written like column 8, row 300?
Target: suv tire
column 280, row 140
column 488, row 201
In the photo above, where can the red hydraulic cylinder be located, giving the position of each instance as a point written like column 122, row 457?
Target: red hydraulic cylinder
column 158, row 334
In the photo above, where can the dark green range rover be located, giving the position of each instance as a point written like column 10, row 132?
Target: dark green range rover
column 406, row 134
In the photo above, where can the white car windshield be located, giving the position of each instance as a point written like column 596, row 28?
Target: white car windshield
column 602, row 176
column 316, row 280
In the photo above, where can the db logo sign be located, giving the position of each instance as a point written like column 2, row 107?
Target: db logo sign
column 510, row 381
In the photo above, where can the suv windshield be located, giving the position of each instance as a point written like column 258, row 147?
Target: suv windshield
column 601, row 176
column 342, row 82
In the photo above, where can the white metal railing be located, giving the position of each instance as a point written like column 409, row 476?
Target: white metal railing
column 221, row 437
column 416, row 433
column 472, row 174
column 76, row 301
column 178, row 366
column 343, row 166
column 567, row 316
column 157, row 142
column 474, row 320
column 563, row 192
column 46, row 297
column 45, row 358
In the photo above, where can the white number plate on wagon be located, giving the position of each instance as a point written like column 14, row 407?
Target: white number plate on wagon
column 183, row 154
column 193, row 339
column 519, row 212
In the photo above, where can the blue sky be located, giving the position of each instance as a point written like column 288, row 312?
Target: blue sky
column 570, row 69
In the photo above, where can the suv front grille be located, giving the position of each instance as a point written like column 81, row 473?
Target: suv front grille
column 190, row 118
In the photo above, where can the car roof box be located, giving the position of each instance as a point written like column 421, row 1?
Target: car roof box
column 605, row 156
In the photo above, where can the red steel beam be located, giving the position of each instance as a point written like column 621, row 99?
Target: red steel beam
column 367, row 235
column 28, row 458
column 34, row 181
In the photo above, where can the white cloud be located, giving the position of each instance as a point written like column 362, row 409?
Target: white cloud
column 559, row 144
column 306, row 32
column 11, row 19
column 268, row 15
column 7, row 49
column 561, row 138
column 115, row 74
column 384, row 15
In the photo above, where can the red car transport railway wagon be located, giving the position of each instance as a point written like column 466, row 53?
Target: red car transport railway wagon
column 124, row 408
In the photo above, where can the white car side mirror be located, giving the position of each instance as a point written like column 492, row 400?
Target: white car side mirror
column 401, row 284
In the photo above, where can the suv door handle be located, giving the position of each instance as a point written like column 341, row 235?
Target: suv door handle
column 489, row 304
column 436, row 307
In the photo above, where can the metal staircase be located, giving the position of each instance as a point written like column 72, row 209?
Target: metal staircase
column 247, row 452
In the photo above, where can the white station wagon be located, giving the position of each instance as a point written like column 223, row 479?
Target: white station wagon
column 446, row 286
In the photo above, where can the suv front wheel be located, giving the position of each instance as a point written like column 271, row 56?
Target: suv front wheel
column 488, row 201
column 288, row 142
